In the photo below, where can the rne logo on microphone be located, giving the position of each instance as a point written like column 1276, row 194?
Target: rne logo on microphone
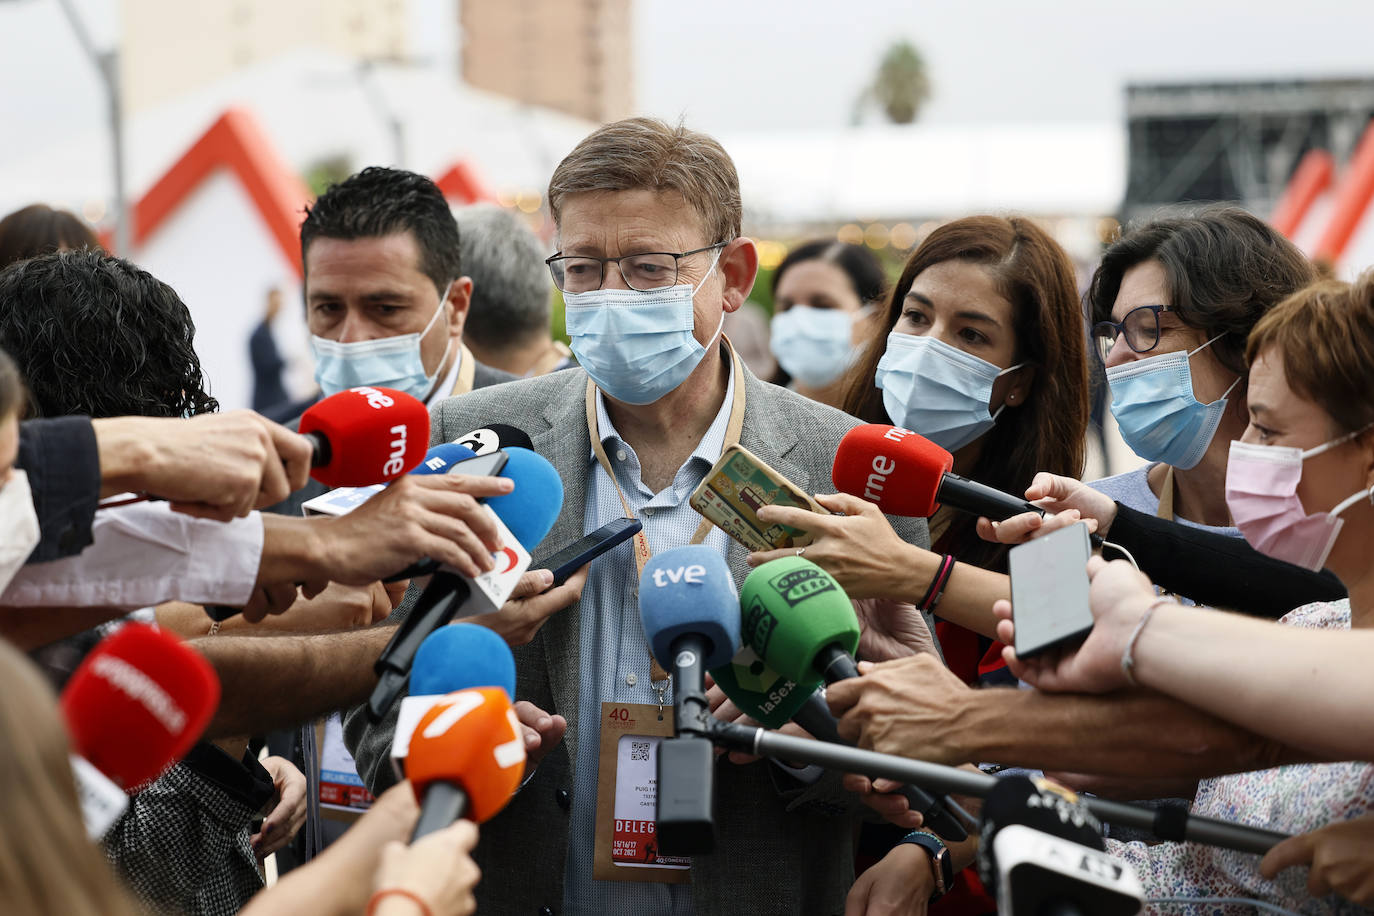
column 692, row 575
column 377, row 400
column 799, row 584
column 882, row 467
column 897, row 434
column 397, row 462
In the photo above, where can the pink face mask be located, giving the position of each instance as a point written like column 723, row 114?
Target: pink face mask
column 1262, row 494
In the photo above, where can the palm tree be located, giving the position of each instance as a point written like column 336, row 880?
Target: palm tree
column 900, row 86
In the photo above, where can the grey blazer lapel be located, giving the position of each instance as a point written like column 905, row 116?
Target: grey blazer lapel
column 565, row 442
column 771, row 442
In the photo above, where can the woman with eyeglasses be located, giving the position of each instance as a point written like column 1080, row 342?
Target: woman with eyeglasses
column 1172, row 304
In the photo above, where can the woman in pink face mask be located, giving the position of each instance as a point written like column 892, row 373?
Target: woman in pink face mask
column 1300, row 486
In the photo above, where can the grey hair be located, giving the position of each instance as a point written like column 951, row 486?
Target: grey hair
column 511, row 287
column 649, row 154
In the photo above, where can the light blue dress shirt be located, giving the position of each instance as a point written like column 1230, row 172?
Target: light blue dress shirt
column 615, row 658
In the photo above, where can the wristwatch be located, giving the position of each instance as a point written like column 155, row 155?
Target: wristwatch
column 939, row 854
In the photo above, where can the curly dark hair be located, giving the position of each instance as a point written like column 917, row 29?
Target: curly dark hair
column 379, row 201
column 95, row 335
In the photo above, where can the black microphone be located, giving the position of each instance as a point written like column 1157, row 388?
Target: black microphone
column 815, row 716
column 487, row 439
column 1041, row 854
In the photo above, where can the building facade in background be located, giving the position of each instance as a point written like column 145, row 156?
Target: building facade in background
column 569, row 55
column 172, row 47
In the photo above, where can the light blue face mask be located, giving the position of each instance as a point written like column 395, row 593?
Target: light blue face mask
column 637, row 346
column 937, row 390
column 1154, row 406
column 388, row 362
column 813, row 345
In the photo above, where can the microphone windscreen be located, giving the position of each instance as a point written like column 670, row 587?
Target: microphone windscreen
column 685, row 590
column 895, row 468
column 764, row 695
column 529, row 510
column 137, row 703
column 442, row 457
column 488, row 439
column 1040, row 805
column 790, row 610
column 374, row 435
column 459, row 656
column 471, row 739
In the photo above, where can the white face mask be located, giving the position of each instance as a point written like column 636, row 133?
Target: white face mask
column 19, row 533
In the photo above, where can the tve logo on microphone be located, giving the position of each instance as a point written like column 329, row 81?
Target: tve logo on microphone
column 883, row 466
column 691, row 575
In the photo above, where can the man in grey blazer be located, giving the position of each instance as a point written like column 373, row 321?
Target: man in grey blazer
column 651, row 260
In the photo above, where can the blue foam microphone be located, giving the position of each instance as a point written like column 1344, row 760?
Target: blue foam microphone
column 690, row 612
column 528, row 512
column 459, row 656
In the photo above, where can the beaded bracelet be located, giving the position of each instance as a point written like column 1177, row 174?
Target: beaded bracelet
column 1128, row 656
column 413, row 897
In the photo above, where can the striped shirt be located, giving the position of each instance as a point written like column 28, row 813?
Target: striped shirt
column 615, row 660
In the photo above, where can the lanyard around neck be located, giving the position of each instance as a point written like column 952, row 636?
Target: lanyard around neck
column 641, row 541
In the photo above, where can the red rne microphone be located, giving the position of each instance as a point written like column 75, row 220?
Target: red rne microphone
column 906, row 474
column 138, row 702
column 466, row 759
column 364, row 436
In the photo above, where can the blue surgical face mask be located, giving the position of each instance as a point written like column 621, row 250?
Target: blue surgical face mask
column 387, row 362
column 1154, row 406
column 937, row 390
column 637, row 346
column 813, row 345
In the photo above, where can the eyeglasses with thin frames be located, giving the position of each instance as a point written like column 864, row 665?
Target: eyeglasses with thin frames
column 641, row 272
column 1140, row 325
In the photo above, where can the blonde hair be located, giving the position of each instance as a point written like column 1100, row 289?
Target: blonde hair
column 1325, row 334
column 47, row 863
column 648, row 154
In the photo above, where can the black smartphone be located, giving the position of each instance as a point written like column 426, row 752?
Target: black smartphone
column 587, row 548
column 1049, row 590
column 488, row 465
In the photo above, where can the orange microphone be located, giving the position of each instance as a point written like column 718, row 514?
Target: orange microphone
column 467, row 758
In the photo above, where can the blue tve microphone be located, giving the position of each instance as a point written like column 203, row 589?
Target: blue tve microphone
column 528, row 512
column 690, row 612
column 459, row 656
column 442, row 457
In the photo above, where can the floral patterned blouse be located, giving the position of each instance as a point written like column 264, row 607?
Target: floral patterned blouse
column 1294, row 799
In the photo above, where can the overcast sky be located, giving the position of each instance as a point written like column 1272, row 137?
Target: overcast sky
column 729, row 65
column 733, row 64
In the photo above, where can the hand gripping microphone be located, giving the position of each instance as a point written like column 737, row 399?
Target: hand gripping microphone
column 907, row 474
column 364, row 436
column 453, row 657
column 528, row 512
column 133, row 707
column 467, row 757
column 1042, row 855
column 689, row 608
column 799, row 620
column 491, row 438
